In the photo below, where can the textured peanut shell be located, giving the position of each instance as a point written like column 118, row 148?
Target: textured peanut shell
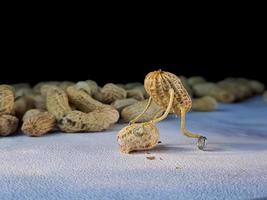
column 22, row 105
column 212, row 89
column 138, row 136
column 93, row 86
column 158, row 84
column 245, row 83
column 204, row 104
column 122, row 103
column 39, row 102
column 44, row 89
column 233, row 89
column 132, row 85
column 130, row 112
column 121, row 85
column 143, row 90
column 23, row 92
column 82, row 100
column 111, row 92
column 241, row 88
column 7, row 99
column 65, row 84
column 136, row 94
column 97, row 120
column 83, row 85
column 38, row 124
column 57, row 102
column 8, row 124
column 37, row 87
column 257, row 87
column 31, row 112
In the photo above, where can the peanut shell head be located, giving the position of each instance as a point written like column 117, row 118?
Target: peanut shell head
column 158, row 84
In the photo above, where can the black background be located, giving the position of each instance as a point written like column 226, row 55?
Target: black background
column 46, row 69
column 117, row 49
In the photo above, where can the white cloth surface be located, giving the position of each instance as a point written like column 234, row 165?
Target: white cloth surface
column 90, row 165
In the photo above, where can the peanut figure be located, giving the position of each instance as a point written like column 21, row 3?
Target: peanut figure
column 166, row 90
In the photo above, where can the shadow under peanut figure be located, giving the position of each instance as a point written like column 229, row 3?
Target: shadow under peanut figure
column 161, row 86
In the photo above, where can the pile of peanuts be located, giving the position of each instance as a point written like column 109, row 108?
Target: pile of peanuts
column 86, row 107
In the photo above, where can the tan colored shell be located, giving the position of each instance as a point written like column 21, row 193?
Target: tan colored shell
column 24, row 92
column 22, row 105
column 93, row 85
column 8, row 124
column 241, row 88
column 122, row 103
column 120, row 85
column 83, row 85
column 82, row 100
column 132, row 85
column 142, row 89
column 138, row 136
column 205, row 103
column 130, row 112
column 31, row 113
column 111, row 92
column 37, row 87
column 233, row 89
column 38, row 123
column 212, row 89
column 39, row 102
column 7, row 99
column 136, row 94
column 256, row 86
column 265, row 96
column 97, row 120
column 158, row 84
column 65, row 84
column 44, row 89
column 57, row 102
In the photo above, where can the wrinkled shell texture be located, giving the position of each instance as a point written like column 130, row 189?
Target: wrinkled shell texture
column 205, row 103
column 97, row 120
column 212, row 89
column 8, row 124
column 7, row 98
column 57, row 102
column 83, row 85
column 130, row 112
column 38, row 124
column 139, row 136
column 22, row 104
column 31, row 113
column 39, row 102
column 111, row 92
column 122, row 103
column 158, row 84
column 136, row 94
column 93, row 86
column 82, row 100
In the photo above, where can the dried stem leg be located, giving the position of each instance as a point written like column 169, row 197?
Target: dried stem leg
column 171, row 92
column 201, row 139
column 142, row 113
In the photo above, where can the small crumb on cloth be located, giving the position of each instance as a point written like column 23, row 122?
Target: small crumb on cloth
column 151, row 157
